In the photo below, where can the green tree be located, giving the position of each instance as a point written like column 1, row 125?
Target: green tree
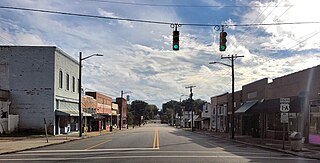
column 130, row 118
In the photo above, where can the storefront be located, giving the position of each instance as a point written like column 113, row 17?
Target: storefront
column 67, row 118
column 314, row 131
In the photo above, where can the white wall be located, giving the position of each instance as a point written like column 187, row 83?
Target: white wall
column 206, row 111
column 13, row 123
column 69, row 66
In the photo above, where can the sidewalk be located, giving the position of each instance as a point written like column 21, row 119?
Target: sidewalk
column 16, row 144
column 308, row 150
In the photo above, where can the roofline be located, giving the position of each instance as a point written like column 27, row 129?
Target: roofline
column 46, row 46
column 66, row 55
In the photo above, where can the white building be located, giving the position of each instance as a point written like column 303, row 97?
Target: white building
column 43, row 83
column 206, row 121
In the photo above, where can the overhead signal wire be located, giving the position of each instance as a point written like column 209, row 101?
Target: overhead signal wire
column 175, row 5
column 151, row 21
column 243, row 34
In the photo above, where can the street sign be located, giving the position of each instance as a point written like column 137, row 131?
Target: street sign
column 285, row 104
column 285, row 108
column 284, row 100
column 284, row 117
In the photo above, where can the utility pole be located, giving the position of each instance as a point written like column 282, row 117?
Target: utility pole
column 191, row 94
column 232, row 57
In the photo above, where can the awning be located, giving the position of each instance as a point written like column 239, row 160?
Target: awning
column 246, row 106
column 70, row 109
column 273, row 106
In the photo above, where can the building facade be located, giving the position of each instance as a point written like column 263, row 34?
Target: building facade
column 103, row 111
column 43, row 82
column 122, row 103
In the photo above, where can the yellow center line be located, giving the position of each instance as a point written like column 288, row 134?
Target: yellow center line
column 156, row 139
column 99, row 144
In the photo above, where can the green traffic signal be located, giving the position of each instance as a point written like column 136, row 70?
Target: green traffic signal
column 223, row 48
column 223, row 41
column 175, row 47
column 175, row 41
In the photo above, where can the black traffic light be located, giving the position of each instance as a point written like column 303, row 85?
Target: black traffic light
column 175, row 43
column 223, row 41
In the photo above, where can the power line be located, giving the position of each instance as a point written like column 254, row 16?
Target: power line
column 179, row 5
column 151, row 21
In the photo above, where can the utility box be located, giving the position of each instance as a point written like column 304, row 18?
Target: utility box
column 296, row 141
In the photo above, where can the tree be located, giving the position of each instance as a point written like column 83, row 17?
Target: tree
column 130, row 118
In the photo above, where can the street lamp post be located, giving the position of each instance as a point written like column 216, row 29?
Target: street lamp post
column 232, row 57
column 79, row 88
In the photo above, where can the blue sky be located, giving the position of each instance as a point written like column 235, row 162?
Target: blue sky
column 138, row 56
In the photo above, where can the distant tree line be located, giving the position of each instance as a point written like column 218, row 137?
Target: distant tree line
column 171, row 108
column 140, row 111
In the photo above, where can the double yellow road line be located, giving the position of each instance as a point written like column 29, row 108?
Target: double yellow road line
column 156, row 140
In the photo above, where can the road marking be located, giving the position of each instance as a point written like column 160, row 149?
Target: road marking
column 169, row 156
column 99, row 144
column 82, row 150
column 91, row 152
column 156, row 144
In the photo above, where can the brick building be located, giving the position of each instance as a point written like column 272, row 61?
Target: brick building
column 103, row 110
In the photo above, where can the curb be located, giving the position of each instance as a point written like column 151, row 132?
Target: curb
column 265, row 147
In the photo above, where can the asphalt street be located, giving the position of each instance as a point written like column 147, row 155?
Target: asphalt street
column 151, row 143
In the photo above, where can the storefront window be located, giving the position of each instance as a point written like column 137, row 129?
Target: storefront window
column 314, row 136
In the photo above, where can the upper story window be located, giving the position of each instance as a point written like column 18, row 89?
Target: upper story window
column 73, row 84
column 68, row 82
column 60, row 79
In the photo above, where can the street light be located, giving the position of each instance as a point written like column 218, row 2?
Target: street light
column 79, row 84
column 122, row 93
column 232, row 57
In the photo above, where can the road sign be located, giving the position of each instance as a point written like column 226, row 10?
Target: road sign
column 285, row 108
column 285, row 104
column 284, row 100
column 284, row 117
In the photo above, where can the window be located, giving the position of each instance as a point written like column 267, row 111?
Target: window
column 60, row 79
column 68, row 82
column 73, row 84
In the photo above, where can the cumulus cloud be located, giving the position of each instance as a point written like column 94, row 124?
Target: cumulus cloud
column 138, row 57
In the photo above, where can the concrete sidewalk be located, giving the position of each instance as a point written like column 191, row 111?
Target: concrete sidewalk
column 16, row 144
column 308, row 150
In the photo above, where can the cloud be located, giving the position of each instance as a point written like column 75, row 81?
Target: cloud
column 138, row 57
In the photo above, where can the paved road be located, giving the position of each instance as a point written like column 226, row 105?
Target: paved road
column 151, row 143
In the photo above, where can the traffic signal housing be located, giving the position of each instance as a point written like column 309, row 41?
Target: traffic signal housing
column 175, row 42
column 223, row 41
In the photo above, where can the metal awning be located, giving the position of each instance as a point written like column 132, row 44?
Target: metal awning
column 246, row 106
column 273, row 106
column 70, row 109
column 201, row 119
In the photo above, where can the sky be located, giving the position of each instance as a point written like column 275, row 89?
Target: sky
column 138, row 57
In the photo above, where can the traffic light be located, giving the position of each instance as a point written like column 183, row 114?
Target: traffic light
column 175, row 43
column 223, row 41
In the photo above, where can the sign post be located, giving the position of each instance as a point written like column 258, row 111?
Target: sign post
column 284, row 108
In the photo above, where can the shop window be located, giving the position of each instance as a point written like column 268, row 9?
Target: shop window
column 274, row 122
column 315, row 120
